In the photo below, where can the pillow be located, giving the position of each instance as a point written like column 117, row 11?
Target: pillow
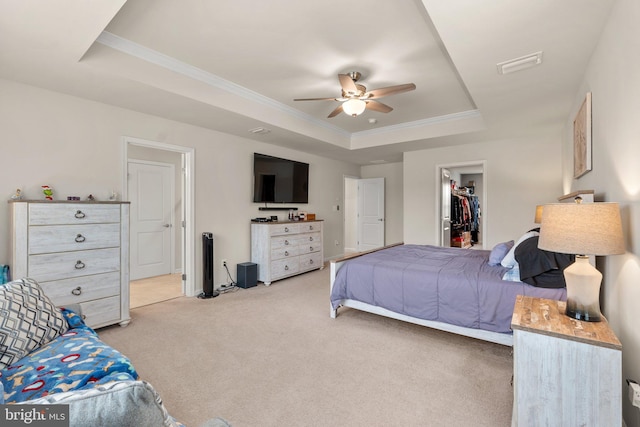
column 117, row 403
column 499, row 251
column 540, row 268
column 512, row 275
column 510, row 260
column 28, row 320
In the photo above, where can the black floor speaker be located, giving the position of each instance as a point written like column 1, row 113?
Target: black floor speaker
column 247, row 273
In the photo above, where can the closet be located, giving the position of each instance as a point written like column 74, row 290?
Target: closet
column 465, row 217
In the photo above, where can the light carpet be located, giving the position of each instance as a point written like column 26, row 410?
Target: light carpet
column 272, row 356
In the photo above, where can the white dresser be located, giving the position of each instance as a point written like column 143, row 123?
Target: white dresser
column 283, row 249
column 78, row 252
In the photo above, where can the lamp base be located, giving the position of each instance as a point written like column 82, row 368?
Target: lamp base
column 583, row 290
column 580, row 312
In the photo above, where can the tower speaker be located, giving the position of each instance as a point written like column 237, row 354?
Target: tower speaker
column 207, row 267
column 247, row 274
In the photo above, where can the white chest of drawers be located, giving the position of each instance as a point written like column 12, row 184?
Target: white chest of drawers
column 78, row 252
column 283, row 249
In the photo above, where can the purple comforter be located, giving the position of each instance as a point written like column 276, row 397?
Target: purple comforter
column 450, row 285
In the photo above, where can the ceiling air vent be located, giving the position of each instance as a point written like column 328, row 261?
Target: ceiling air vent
column 519, row 64
column 259, row 131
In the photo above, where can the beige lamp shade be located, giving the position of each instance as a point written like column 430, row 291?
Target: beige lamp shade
column 538, row 217
column 588, row 228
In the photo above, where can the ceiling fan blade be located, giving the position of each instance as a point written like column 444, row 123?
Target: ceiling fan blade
column 378, row 106
column 315, row 99
column 391, row 90
column 335, row 112
column 347, row 83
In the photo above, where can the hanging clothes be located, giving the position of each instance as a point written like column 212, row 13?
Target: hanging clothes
column 465, row 213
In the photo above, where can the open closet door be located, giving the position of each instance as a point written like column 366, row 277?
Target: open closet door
column 370, row 213
column 445, row 212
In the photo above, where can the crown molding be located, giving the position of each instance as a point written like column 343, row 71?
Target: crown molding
column 157, row 58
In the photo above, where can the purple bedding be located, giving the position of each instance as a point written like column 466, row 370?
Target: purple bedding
column 450, row 285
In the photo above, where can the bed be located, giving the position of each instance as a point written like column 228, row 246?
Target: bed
column 451, row 289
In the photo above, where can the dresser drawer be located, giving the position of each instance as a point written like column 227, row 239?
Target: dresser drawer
column 63, row 238
column 47, row 267
column 310, row 261
column 310, row 226
column 72, row 213
column 283, row 242
column 101, row 312
column 81, row 289
column 308, row 239
column 280, row 229
column 284, row 267
column 284, row 252
column 309, row 248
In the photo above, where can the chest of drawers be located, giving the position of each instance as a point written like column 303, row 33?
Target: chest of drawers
column 78, row 252
column 283, row 249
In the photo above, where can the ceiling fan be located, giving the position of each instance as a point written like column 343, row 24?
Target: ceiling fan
column 355, row 97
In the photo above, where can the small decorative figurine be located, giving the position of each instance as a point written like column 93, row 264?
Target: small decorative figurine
column 48, row 192
column 17, row 195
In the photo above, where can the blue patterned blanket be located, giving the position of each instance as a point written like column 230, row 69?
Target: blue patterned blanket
column 73, row 361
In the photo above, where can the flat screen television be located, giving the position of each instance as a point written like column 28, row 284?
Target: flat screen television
column 279, row 180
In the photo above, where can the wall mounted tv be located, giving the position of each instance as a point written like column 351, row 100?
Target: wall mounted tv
column 279, row 180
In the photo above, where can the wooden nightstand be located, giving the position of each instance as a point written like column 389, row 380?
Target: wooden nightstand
column 566, row 372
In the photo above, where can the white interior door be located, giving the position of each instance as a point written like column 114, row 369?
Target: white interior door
column 370, row 213
column 151, row 194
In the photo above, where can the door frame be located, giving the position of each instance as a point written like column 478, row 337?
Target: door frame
column 485, row 200
column 188, row 200
column 172, row 197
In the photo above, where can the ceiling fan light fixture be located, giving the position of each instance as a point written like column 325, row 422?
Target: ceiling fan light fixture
column 354, row 107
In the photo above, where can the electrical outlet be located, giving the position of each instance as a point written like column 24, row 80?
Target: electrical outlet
column 224, row 263
column 634, row 393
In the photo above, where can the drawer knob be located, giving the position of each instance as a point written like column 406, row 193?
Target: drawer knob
column 79, row 214
column 79, row 265
column 286, row 253
column 286, row 267
column 311, row 227
column 310, row 261
column 310, row 248
column 286, row 229
column 286, row 242
column 77, row 291
column 311, row 239
column 80, row 238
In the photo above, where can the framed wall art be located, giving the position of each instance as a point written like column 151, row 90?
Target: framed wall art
column 582, row 139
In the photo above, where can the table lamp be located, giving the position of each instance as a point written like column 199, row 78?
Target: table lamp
column 538, row 218
column 583, row 230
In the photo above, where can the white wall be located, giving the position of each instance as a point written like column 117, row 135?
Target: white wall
column 75, row 146
column 613, row 77
column 520, row 174
column 393, row 197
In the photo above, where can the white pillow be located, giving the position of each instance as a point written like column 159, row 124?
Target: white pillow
column 509, row 259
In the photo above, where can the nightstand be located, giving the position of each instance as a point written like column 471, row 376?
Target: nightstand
column 566, row 372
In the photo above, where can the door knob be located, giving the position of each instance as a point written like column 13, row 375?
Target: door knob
column 166, row 225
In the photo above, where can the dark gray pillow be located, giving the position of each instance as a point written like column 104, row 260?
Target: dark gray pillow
column 541, row 268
